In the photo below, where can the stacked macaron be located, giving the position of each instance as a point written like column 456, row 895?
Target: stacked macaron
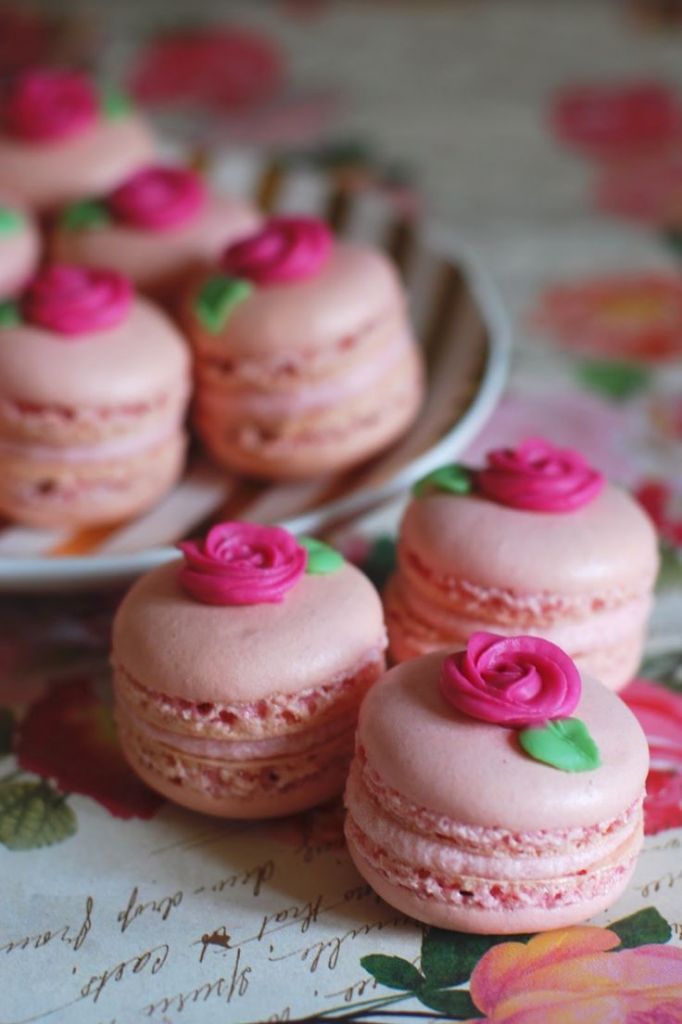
column 94, row 384
column 479, row 801
column 62, row 138
column 305, row 359
column 159, row 226
column 536, row 541
column 238, row 671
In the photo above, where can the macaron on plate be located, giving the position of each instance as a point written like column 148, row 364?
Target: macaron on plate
column 458, row 320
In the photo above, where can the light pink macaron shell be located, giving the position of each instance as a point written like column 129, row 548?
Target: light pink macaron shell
column 476, row 773
column 356, row 287
column 19, row 253
column 607, row 543
column 325, row 626
column 91, row 163
column 139, row 358
column 152, row 257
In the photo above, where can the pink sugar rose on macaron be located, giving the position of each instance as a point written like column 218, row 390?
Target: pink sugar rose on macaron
column 536, row 542
column 160, row 226
column 76, row 300
column 286, row 249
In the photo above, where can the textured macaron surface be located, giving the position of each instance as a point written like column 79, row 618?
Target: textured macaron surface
column 607, row 544
column 326, row 627
column 476, row 773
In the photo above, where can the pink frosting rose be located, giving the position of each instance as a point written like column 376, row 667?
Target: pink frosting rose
column 539, row 477
column 242, row 563
column 46, row 106
column 75, row 300
column 286, row 249
column 158, row 197
column 513, row 681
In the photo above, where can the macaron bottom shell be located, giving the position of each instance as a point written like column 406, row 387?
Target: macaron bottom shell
column 283, row 758
column 497, row 921
column 59, row 493
column 332, row 437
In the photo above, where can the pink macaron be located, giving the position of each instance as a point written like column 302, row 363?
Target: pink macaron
column 62, row 138
column 305, row 359
column 94, row 384
column 535, row 542
column 239, row 670
column 159, row 226
column 20, row 248
column 496, row 791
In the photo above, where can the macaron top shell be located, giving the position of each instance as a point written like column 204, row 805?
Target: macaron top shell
column 91, row 162
column 143, row 356
column 608, row 543
column 147, row 255
column 476, row 773
column 169, row 642
column 356, row 286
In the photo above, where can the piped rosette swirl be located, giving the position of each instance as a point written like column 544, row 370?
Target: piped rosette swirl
column 286, row 249
column 254, row 711
column 73, row 301
column 50, row 105
column 158, row 198
column 527, row 683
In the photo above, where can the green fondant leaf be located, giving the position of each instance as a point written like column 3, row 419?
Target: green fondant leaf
column 114, row 103
column 615, row 380
column 644, row 928
column 6, row 731
column 380, row 561
column 86, row 214
column 10, row 313
column 454, row 1003
column 321, row 558
column 33, row 814
column 452, row 479
column 218, row 297
column 392, row 971
column 448, row 958
column 11, row 221
column 564, row 743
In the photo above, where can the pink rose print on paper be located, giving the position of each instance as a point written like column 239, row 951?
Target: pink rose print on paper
column 659, row 712
column 623, row 316
column 646, row 188
column 69, row 738
column 665, row 508
column 511, row 681
column 242, row 564
column 577, row 976
column 610, row 120
column 223, row 68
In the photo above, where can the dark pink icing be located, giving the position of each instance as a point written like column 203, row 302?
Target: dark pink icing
column 76, row 300
column 242, row 564
column 539, row 477
column 286, row 249
column 159, row 197
column 45, row 105
column 512, row 681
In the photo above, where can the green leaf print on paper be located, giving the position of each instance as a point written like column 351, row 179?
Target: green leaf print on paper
column 392, row 971
column 448, row 958
column 456, row 1004
column 644, row 928
column 615, row 380
column 33, row 814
